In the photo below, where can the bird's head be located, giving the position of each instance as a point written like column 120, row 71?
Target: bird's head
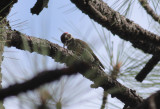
column 66, row 38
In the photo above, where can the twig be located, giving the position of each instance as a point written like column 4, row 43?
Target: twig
column 149, row 10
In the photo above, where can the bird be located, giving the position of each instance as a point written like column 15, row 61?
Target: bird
column 80, row 48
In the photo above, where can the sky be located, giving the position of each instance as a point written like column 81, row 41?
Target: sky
column 60, row 16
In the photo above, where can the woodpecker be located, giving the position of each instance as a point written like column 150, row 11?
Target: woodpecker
column 80, row 48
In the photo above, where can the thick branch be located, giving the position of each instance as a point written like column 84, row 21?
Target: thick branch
column 152, row 102
column 118, row 24
column 147, row 68
column 149, row 10
column 41, row 46
column 38, row 7
column 114, row 74
column 2, row 44
column 99, row 77
column 5, row 6
column 40, row 79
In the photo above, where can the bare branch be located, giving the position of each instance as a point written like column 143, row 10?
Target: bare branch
column 118, row 24
column 38, row 7
column 149, row 10
column 41, row 46
column 152, row 102
column 99, row 77
column 114, row 75
column 147, row 68
column 104, row 100
column 40, row 79
column 5, row 7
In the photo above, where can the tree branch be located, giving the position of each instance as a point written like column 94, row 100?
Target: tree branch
column 114, row 75
column 147, row 68
column 2, row 44
column 149, row 10
column 123, row 27
column 99, row 77
column 40, row 79
column 152, row 102
column 38, row 7
column 41, row 46
column 118, row 24
column 5, row 7
column 104, row 100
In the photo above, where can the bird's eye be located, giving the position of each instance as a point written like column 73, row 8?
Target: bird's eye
column 69, row 36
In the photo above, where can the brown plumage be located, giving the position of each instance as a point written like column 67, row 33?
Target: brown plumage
column 80, row 47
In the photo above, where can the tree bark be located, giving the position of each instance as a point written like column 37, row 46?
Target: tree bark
column 152, row 102
column 59, row 54
column 149, row 10
column 126, row 29
column 2, row 44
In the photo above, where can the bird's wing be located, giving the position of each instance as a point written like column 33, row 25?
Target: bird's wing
column 98, row 60
column 85, row 45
